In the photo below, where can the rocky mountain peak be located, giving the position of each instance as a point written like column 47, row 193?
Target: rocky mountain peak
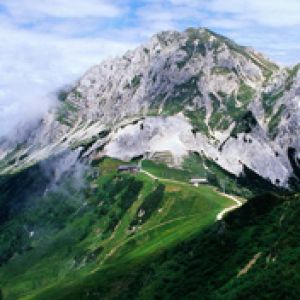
column 227, row 102
column 153, row 75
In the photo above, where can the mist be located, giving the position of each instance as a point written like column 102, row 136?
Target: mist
column 35, row 64
column 46, row 45
column 64, row 165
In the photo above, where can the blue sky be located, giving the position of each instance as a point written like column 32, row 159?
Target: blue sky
column 46, row 44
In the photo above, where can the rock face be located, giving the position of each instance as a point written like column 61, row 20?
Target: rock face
column 191, row 91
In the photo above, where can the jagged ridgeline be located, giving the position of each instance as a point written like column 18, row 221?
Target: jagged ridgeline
column 101, row 199
column 193, row 90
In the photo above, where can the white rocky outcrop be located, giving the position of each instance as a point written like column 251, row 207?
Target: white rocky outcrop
column 173, row 134
column 140, row 104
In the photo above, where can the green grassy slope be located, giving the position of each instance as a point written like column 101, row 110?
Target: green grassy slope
column 118, row 222
column 197, row 166
column 253, row 255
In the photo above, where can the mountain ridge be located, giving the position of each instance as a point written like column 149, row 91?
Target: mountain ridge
column 228, row 96
column 97, row 200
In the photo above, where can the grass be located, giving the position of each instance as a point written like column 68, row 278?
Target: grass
column 244, row 124
column 269, row 101
column 267, row 67
column 292, row 73
column 197, row 119
column 65, row 112
column 191, row 48
column 245, row 94
column 163, row 171
column 221, row 71
column 274, row 121
column 86, row 246
column 197, row 166
column 89, row 250
column 206, row 262
column 149, row 206
column 221, row 118
column 152, row 240
column 136, row 81
column 183, row 94
column 234, row 108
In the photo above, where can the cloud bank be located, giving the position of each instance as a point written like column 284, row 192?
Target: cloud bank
column 47, row 44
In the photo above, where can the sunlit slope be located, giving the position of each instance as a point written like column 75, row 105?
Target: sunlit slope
column 254, row 255
column 124, row 220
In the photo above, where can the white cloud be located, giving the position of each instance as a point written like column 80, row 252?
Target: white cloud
column 45, row 44
column 36, row 9
column 34, row 64
column 268, row 12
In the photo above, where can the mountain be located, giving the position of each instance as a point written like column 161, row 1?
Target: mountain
column 185, row 105
column 180, row 92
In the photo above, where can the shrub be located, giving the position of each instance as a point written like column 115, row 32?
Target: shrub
column 149, row 206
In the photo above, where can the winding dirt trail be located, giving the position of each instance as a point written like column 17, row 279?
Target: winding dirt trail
column 219, row 217
column 161, row 179
column 221, row 214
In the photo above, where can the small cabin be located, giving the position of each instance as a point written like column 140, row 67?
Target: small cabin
column 197, row 181
column 129, row 168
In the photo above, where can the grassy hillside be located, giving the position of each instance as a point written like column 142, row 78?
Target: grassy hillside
column 196, row 166
column 254, row 254
column 78, row 238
